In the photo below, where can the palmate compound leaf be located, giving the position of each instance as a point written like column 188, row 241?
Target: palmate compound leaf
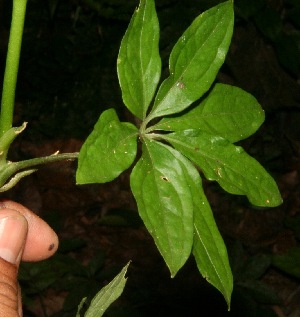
column 139, row 63
column 227, row 111
column 195, row 60
column 229, row 165
column 161, row 183
column 172, row 204
column 108, row 151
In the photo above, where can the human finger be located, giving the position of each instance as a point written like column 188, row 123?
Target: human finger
column 42, row 241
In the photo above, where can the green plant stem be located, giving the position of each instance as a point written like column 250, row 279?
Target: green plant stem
column 12, row 65
column 143, row 127
column 12, row 172
column 45, row 159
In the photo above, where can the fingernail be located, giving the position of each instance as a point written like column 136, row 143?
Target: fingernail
column 13, row 231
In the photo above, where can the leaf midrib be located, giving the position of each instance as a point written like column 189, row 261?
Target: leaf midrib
column 206, row 157
column 188, row 66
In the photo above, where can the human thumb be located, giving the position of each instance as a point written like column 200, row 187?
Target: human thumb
column 13, row 232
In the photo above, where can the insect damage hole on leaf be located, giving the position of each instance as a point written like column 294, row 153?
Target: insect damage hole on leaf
column 180, row 85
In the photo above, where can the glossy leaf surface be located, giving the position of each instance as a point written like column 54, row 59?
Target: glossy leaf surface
column 228, row 111
column 108, row 151
column 209, row 249
column 195, row 60
column 139, row 63
column 229, row 165
column 161, row 183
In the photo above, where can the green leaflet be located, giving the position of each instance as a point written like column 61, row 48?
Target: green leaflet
column 170, row 198
column 107, row 295
column 195, row 60
column 209, row 249
column 161, row 183
column 108, row 151
column 229, row 165
column 227, row 111
column 139, row 63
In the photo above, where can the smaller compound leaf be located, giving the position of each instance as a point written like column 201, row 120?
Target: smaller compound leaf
column 195, row 60
column 228, row 111
column 209, row 249
column 139, row 63
column 229, row 165
column 108, row 151
column 161, row 183
column 107, row 295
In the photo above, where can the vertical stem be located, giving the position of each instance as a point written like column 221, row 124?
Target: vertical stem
column 12, row 65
